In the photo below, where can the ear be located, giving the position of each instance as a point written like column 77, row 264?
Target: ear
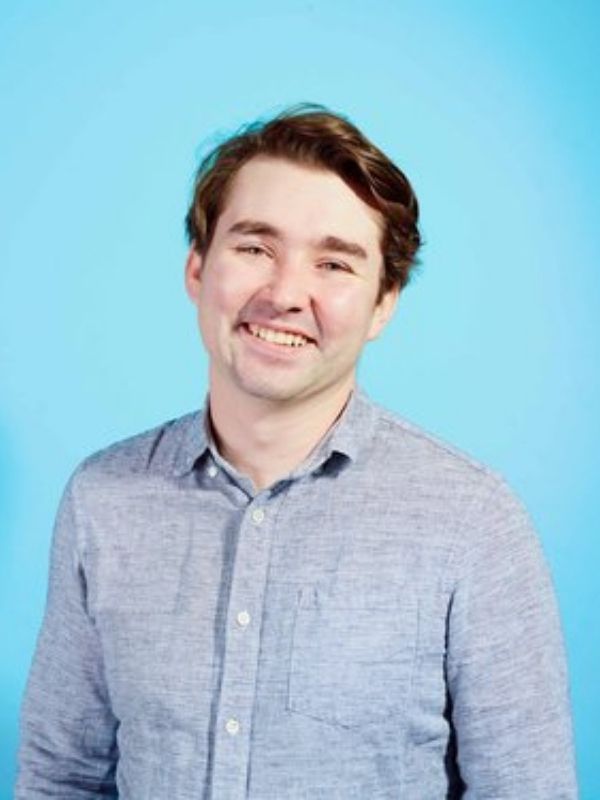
column 383, row 312
column 193, row 272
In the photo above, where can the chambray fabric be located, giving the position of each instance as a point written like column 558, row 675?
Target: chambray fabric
column 380, row 624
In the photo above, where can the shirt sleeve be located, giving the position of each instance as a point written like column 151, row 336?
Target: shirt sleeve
column 68, row 733
column 506, row 665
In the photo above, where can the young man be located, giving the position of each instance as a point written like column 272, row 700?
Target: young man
column 294, row 594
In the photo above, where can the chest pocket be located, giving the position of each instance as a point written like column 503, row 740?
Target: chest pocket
column 353, row 655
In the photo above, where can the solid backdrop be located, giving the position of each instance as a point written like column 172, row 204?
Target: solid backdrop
column 491, row 109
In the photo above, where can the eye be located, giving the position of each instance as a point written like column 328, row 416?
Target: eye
column 251, row 249
column 335, row 266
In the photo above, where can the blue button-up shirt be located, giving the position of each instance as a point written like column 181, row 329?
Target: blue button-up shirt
column 379, row 624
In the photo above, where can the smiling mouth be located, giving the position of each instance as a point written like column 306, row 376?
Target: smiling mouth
column 284, row 338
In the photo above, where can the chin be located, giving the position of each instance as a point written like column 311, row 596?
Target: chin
column 271, row 394
column 270, row 391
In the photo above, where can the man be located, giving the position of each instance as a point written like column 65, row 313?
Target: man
column 294, row 594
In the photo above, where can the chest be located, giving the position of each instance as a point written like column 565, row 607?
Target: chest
column 335, row 608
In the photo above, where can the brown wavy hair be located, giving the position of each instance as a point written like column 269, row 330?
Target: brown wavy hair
column 314, row 136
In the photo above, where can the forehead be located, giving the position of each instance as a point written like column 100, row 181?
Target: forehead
column 303, row 201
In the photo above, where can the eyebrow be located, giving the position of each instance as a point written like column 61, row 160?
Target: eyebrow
column 330, row 243
column 337, row 245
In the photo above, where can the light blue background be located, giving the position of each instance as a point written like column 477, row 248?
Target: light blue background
column 491, row 108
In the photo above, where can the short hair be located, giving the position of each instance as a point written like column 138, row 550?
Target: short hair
column 312, row 135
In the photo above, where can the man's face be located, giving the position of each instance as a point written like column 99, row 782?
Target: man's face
column 286, row 293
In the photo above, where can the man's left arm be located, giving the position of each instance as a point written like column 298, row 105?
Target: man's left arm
column 506, row 666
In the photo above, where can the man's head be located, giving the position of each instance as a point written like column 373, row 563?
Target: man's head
column 302, row 235
column 312, row 136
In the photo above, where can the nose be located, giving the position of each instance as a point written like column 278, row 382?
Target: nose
column 287, row 288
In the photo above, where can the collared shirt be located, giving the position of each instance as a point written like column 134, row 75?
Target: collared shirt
column 379, row 624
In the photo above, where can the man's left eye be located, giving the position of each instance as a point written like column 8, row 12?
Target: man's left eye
column 335, row 266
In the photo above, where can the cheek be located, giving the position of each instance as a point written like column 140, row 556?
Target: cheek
column 348, row 313
column 209, row 314
column 227, row 288
column 215, row 298
column 220, row 301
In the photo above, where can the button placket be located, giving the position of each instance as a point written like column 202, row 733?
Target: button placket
column 242, row 644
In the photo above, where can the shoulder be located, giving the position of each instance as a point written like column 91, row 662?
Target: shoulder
column 406, row 445
column 455, row 499
column 151, row 454
column 440, row 475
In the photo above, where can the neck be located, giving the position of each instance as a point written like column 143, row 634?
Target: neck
column 266, row 440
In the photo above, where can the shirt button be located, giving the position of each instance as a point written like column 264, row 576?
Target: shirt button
column 212, row 471
column 243, row 619
column 257, row 516
column 232, row 726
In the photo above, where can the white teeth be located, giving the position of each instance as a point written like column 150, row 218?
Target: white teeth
column 277, row 337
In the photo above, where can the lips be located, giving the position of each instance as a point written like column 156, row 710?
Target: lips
column 280, row 337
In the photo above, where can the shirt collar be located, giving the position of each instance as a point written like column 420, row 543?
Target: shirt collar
column 195, row 441
column 347, row 436
column 351, row 431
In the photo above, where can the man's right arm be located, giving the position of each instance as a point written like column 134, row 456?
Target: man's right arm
column 68, row 744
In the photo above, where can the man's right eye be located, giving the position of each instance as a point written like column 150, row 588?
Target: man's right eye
column 251, row 249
